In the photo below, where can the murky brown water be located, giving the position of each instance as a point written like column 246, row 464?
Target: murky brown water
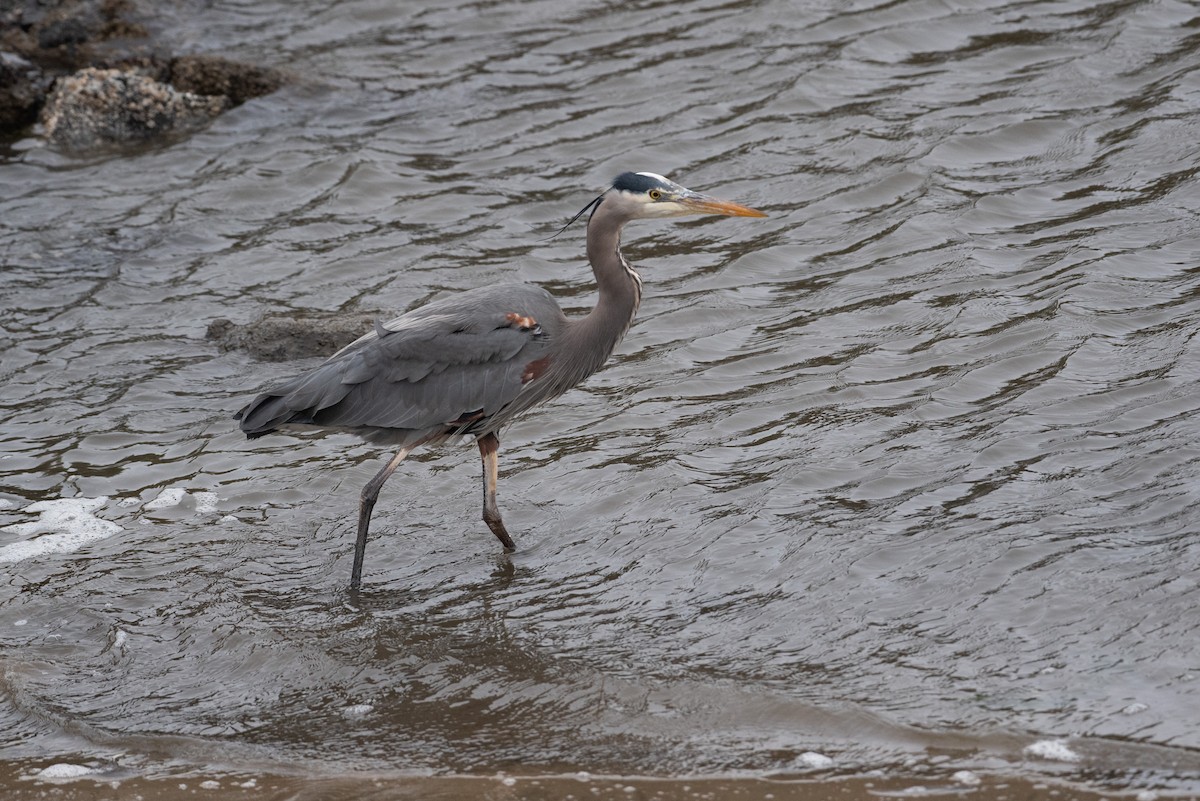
column 905, row 477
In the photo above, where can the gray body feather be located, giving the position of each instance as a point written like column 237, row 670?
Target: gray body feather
column 459, row 365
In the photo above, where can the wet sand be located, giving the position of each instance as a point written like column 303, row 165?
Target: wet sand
column 18, row 786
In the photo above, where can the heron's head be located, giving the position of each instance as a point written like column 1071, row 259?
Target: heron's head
column 646, row 195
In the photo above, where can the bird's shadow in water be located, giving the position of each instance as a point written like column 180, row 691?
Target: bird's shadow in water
column 377, row 623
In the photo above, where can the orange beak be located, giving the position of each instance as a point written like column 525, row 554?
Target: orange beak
column 703, row 204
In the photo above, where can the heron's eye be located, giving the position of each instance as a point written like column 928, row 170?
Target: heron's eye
column 655, row 194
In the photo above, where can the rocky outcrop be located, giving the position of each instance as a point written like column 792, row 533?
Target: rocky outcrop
column 90, row 72
column 96, row 107
column 213, row 75
column 62, row 36
column 278, row 338
column 23, row 86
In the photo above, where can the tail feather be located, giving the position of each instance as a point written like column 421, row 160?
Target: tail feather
column 265, row 414
column 296, row 401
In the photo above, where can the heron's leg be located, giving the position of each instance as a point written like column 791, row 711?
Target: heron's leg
column 489, row 449
column 366, row 503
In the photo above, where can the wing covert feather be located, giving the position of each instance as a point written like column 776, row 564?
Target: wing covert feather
column 439, row 364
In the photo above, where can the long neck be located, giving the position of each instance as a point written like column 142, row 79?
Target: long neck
column 620, row 288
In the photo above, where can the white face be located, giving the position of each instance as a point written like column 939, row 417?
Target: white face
column 657, row 202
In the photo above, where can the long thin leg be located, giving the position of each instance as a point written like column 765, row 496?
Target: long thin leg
column 366, row 503
column 489, row 448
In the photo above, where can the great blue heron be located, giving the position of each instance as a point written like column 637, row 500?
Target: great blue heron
column 470, row 363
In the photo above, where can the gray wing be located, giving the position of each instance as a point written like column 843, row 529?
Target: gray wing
column 442, row 367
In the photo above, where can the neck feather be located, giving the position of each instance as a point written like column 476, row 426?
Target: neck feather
column 618, row 285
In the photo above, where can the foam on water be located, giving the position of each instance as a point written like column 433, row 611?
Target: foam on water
column 813, row 760
column 66, row 525
column 206, row 502
column 64, row 770
column 171, row 496
column 1055, row 750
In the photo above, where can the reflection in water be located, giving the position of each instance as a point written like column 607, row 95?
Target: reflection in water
column 904, row 477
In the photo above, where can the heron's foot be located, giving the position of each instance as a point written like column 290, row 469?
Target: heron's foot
column 497, row 527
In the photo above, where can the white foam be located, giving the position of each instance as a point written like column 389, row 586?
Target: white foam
column 1056, row 750
column 206, row 502
column 357, row 710
column 171, row 496
column 967, row 778
column 66, row 525
column 64, row 770
column 811, row 759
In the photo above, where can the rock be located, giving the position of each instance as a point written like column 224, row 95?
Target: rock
column 213, row 75
column 62, row 35
column 96, row 107
column 22, row 86
column 64, row 31
column 74, row 41
column 70, row 31
column 279, row 338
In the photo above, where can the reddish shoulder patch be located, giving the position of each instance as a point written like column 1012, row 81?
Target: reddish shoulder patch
column 520, row 321
column 535, row 369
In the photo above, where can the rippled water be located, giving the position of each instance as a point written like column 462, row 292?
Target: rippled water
column 906, row 476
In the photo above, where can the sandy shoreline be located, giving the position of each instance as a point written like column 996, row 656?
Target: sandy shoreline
column 19, row 782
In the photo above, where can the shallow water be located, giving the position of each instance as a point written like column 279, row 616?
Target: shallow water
column 906, row 476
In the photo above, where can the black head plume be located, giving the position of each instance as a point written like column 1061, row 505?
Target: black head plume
column 589, row 207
